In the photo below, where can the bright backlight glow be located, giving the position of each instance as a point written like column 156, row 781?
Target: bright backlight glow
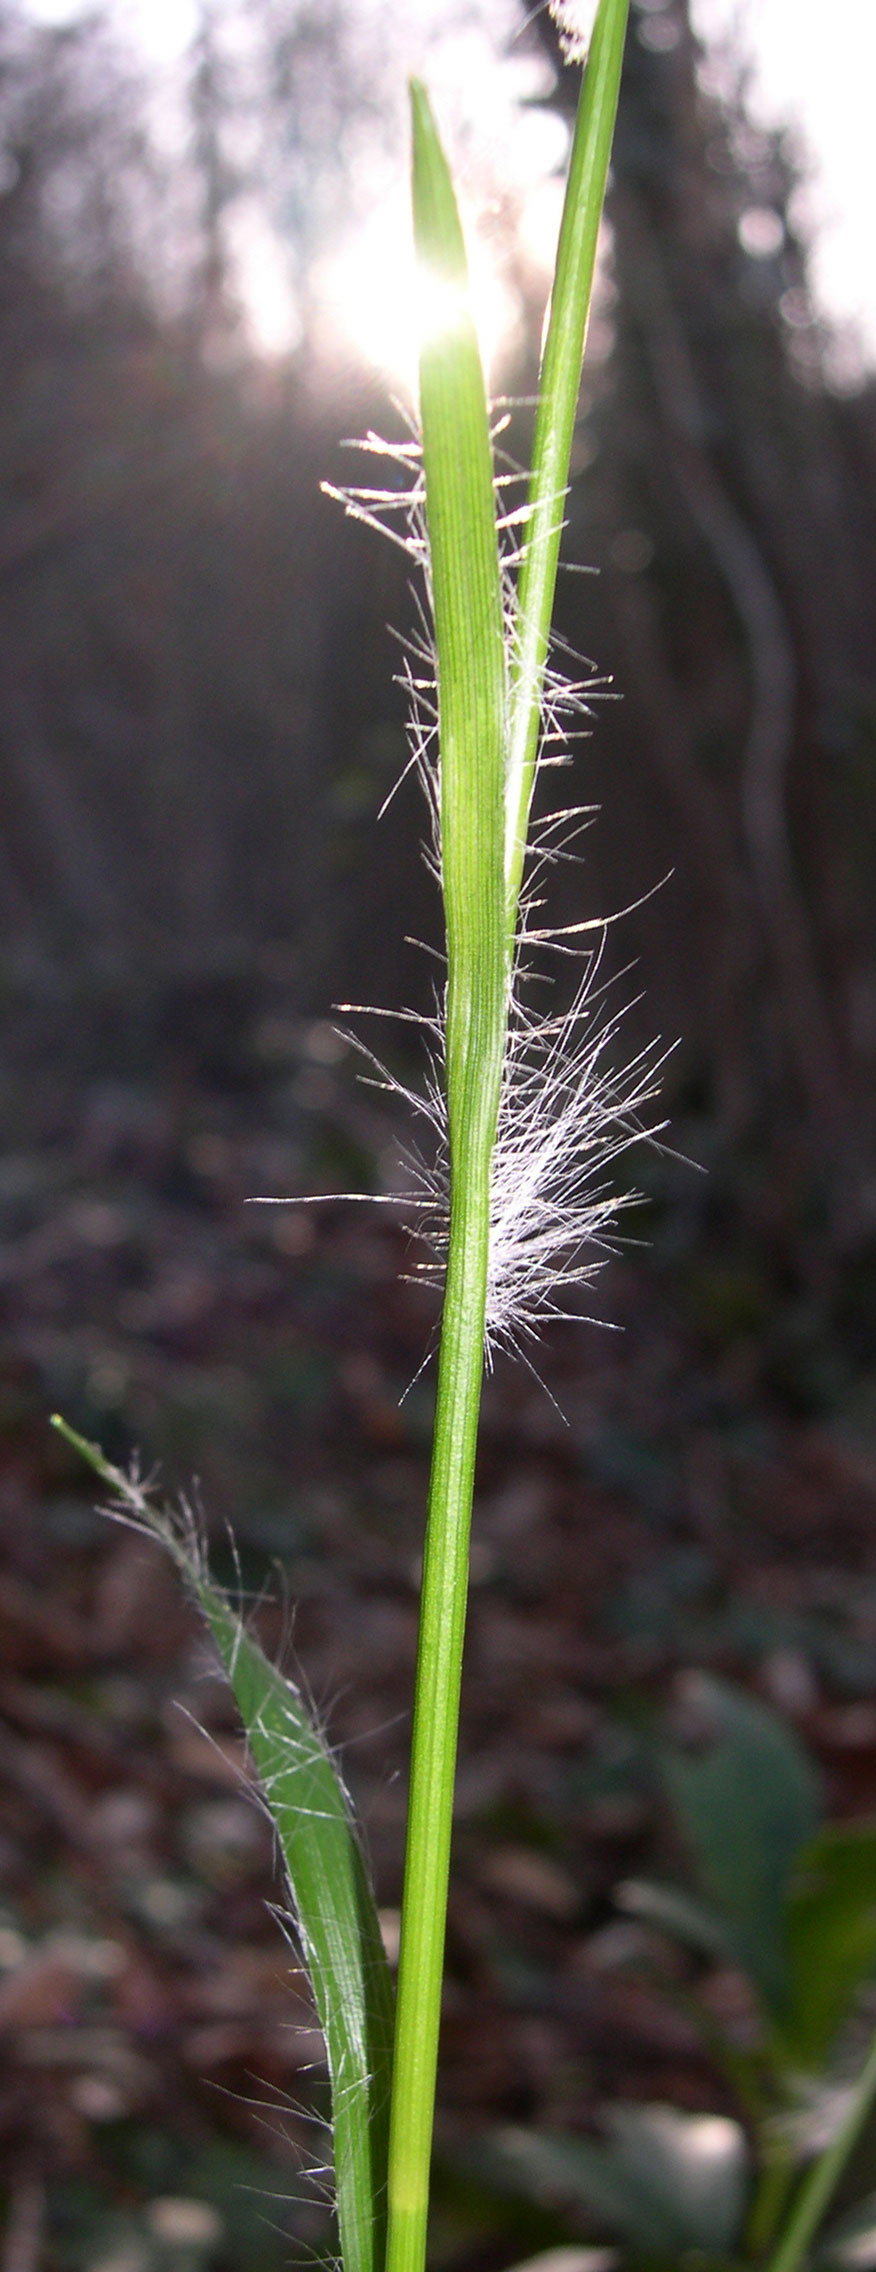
column 374, row 296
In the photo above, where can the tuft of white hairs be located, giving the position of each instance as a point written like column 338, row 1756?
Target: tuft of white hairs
column 574, row 20
column 566, row 1114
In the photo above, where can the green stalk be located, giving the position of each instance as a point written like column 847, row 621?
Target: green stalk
column 821, row 2181
column 482, row 783
column 559, row 382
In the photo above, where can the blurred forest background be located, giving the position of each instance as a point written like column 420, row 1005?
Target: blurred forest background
column 198, row 724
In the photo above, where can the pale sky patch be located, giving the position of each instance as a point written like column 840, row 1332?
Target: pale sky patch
column 813, row 69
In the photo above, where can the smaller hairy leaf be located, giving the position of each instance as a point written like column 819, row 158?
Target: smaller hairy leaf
column 334, row 1909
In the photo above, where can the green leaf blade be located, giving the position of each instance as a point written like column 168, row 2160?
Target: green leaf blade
column 334, row 1907
column 336, row 1919
column 466, row 591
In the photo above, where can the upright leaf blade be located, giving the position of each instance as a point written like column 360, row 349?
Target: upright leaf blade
column 466, row 590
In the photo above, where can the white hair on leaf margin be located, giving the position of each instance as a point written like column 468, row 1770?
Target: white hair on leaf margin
column 566, row 1113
